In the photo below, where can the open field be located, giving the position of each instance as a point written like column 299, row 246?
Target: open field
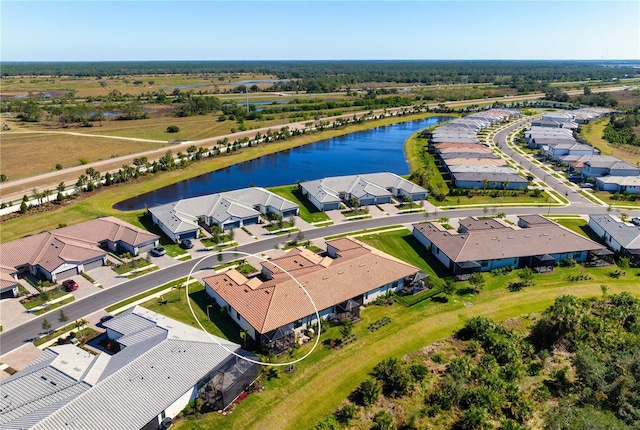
column 592, row 133
column 293, row 401
column 101, row 202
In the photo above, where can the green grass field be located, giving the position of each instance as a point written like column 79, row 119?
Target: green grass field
column 308, row 211
column 325, row 379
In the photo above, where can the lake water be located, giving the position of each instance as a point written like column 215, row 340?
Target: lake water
column 377, row 150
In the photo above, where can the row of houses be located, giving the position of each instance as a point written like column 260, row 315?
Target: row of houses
column 468, row 163
column 159, row 367
column 554, row 135
column 64, row 252
column 620, row 236
column 232, row 209
column 367, row 189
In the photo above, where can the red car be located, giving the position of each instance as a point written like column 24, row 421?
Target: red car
column 70, row 285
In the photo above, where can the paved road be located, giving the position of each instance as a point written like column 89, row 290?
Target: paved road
column 16, row 337
column 26, row 332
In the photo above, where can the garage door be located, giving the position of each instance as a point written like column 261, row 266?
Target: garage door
column 250, row 221
column 189, row 235
column 384, row 200
column 93, row 265
column 331, row 206
column 287, row 214
column 232, row 225
column 67, row 273
column 365, row 202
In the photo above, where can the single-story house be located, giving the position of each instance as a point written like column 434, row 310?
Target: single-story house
column 368, row 189
column 621, row 237
column 494, row 180
column 464, row 154
column 232, row 209
column 160, row 366
column 596, row 167
column 483, row 245
column 71, row 250
column 8, row 282
column 546, row 123
column 620, row 184
column 270, row 306
column 570, row 148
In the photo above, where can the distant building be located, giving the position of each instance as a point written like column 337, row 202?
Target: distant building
column 619, row 184
column 368, row 189
column 597, row 167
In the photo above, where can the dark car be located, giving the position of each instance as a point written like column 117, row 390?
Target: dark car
column 70, row 285
column 158, row 251
column 186, row 244
column 635, row 221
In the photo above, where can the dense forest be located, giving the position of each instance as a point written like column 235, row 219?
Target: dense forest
column 327, row 76
column 576, row 366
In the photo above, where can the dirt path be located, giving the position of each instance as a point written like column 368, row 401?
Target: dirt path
column 13, row 190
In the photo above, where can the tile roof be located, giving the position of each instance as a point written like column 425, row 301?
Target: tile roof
column 280, row 301
column 505, row 243
column 73, row 244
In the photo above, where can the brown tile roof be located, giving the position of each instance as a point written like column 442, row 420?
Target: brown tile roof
column 6, row 280
column 74, row 244
column 281, row 301
column 506, row 243
column 476, row 162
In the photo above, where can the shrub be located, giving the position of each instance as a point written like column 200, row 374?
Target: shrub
column 173, row 129
column 346, row 413
column 367, row 393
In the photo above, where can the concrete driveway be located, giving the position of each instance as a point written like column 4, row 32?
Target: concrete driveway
column 12, row 314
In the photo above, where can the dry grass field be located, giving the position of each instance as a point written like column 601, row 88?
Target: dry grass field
column 592, row 133
column 91, row 86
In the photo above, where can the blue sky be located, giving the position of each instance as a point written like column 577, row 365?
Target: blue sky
column 297, row 30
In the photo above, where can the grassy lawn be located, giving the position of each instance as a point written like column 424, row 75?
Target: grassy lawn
column 608, row 199
column 38, row 300
column 54, row 306
column 143, row 271
column 361, row 232
column 308, row 211
column 126, row 267
column 592, row 133
column 174, row 305
column 325, row 379
column 482, row 200
column 145, row 294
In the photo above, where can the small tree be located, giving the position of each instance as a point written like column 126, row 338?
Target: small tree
column 24, row 207
column 46, row 326
column 62, row 317
column 383, row 420
column 477, row 281
column 367, row 393
column 526, row 274
column 173, row 129
column 347, row 328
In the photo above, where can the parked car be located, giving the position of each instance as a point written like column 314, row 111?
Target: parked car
column 70, row 285
column 158, row 251
column 635, row 221
column 186, row 244
column 106, row 318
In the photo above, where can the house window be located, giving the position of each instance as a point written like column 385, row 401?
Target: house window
column 437, row 251
column 366, row 295
column 237, row 316
column 484, row 263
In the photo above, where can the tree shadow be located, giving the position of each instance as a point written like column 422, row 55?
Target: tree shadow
column 438, row 268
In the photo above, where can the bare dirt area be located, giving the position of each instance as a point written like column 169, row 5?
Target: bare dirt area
column 28, row 154
column 627, row 98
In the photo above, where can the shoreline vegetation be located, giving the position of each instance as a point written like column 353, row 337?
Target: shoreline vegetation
column 100, row 202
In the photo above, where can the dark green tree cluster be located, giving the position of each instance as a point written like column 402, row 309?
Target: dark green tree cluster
column 621, row 128
column 604, row 337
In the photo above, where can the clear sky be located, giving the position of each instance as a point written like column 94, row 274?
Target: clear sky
column 322, row 30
